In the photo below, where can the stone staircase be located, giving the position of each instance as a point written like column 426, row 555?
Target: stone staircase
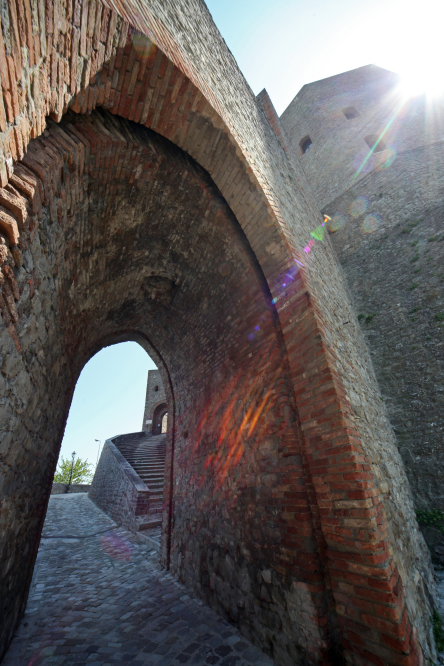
column 147, row 457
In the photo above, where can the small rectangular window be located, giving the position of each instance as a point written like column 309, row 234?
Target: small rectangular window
column 375, row 143
column 350, row 112
column 305, row 144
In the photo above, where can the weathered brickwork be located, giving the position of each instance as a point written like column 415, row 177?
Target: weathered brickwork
column 395, row 275
column 155, row 399
column 282, row 506
column 393, row 263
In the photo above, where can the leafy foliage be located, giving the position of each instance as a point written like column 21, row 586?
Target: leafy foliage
column 432, row 518
column 438, row 631
column 81, row 472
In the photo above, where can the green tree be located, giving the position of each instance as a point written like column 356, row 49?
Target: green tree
column 81, row 472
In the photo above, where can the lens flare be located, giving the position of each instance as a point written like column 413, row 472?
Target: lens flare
column 390, row 157
column 358, row 207
column 371, row 224
column 117, row 547
column 364, row 162
column 224, row 269
column 318, row 233
column 337, row 221
column 143, row 46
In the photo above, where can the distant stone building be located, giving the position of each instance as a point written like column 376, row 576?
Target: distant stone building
column 156, row 408
column 375, row 163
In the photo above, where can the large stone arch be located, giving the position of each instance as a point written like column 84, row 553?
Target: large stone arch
column 85, row 54
column 135, row 242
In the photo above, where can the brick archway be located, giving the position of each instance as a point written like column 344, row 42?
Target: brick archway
column 87, row 55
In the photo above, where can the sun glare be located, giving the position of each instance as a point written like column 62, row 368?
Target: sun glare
column 418, row 49
column 414, row 82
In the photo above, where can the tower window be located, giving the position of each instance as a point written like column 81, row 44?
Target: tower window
column 156, row 388
column 350, row 112
column 305, row 144
column 374, row 142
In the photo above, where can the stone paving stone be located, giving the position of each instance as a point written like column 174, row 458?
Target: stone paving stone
column 98, row 597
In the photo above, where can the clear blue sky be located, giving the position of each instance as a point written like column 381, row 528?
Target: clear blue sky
column 279, row 45
column 282, row 44
column 109, row 399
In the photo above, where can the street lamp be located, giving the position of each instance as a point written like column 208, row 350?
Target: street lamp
column 73, row 455
column 100, row 441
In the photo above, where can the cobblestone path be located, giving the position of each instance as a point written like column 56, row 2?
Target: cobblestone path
column 99, row 597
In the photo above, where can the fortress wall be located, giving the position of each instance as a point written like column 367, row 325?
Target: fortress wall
column 396, row 276
column 153, row 398
column 239, row 528
column 342, row 507
column 339, row 150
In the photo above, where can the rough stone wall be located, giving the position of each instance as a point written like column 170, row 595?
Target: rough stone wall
column 153, row 399
column 117, row 489
column 249, row 445
column 331, row 495
column 332, row 164
column 389, row 213
column 396, row 277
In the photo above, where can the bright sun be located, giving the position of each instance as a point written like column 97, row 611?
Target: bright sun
column 418, row 47
column 415, row 81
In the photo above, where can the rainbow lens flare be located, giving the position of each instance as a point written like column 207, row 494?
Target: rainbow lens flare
column 336, row 222
column 318, row 233
column 371, row 224
column 117, row 547
column 389, row 159
column 358, row 207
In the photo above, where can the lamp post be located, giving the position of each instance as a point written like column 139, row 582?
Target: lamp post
column 73, row 455
column 100, row 441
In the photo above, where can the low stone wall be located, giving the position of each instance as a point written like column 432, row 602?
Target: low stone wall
column 62, row 488
column 117, row 489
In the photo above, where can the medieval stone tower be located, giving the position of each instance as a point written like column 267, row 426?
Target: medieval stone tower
column 155, row 403
column 147, row 195
column 376, row 165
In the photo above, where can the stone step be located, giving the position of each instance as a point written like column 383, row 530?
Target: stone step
column 152, row 521
column 147, row 458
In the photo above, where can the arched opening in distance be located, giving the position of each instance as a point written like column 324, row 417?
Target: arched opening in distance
column 165, row 422
column 100, row 409
column 159, row 416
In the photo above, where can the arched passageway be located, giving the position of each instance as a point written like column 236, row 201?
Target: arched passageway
column 293, row 503
column 160, row 419
column 146, row 248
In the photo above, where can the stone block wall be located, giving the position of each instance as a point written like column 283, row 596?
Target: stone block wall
column 339, row 155
column 155, row 396
column 396, row 276
column 117, row 489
